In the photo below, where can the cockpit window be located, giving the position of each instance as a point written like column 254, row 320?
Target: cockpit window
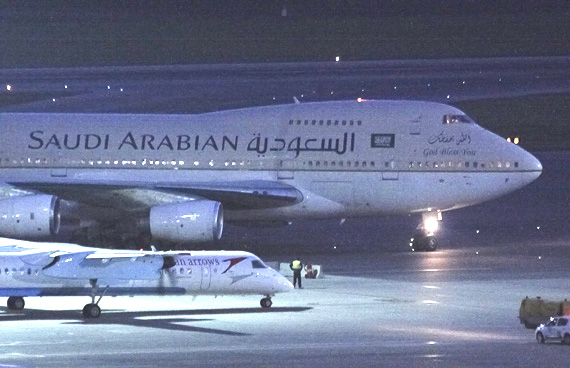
column 457, row 119
column 258, row 264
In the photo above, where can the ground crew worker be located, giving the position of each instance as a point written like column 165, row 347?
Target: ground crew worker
column 297, row 267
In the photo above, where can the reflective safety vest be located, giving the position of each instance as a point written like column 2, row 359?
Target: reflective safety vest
column 296, row 265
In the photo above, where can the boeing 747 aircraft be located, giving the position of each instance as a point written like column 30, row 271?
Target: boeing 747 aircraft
column 52, row 269
column 179, row 177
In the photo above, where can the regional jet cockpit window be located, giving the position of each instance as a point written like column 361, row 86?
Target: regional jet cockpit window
column 457, row 119
column 258, row 264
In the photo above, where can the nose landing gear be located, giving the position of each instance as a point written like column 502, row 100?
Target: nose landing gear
column 92, row 310
column 424, row 237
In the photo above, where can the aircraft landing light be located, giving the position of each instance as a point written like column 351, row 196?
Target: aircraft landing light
column 429, row 302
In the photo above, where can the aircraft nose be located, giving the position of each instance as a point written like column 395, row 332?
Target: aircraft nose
column 532, row 168
column 281, row 284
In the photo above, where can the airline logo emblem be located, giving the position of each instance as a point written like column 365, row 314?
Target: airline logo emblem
column 382, row 140
column 233, row 262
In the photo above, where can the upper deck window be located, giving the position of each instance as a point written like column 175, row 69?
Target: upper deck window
column 457, row 119
column 258, row 264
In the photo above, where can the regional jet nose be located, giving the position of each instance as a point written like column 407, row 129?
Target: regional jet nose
column 281, row 284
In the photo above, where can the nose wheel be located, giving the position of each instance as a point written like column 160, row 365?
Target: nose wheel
column 266, row 302
column 92, row 310
column 424, row 243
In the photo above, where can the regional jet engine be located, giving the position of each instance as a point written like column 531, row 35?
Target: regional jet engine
column 190, row 221
column 29, row 217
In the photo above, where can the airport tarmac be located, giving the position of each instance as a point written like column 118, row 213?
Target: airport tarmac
column 451, row 308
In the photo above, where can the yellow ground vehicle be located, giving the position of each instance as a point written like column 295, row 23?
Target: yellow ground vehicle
column 536, row 311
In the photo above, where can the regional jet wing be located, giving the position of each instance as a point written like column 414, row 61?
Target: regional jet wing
column 107, row 264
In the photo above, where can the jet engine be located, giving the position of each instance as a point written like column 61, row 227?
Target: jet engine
column 31, row 216
column 190, row 221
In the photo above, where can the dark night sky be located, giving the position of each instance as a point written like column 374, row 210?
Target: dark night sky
column 71, row 33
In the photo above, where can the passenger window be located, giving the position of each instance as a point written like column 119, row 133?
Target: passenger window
column 562, row 322
column 258, row 264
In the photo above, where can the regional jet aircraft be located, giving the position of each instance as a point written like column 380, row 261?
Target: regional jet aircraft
column 57, row 269
column 177, row 177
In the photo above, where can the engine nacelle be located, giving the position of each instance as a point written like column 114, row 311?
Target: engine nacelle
column 190, row 221
column 29, row 217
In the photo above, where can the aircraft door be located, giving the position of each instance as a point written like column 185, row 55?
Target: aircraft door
column 391, row 172
column 286, row 170
column 206, row 277
column 415, row 125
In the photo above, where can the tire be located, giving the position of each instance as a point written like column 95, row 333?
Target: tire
column 266, row 303
column 566, row 339
column 430, row 244
column 422, row 243
column 16, row 303
column 91, row 311
column 540, row 337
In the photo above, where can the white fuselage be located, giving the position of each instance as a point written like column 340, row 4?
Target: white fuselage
column 345, row 158
column 49, row 269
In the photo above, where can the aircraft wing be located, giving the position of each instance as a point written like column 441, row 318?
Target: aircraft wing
column 107, row 264
column 131, row 198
